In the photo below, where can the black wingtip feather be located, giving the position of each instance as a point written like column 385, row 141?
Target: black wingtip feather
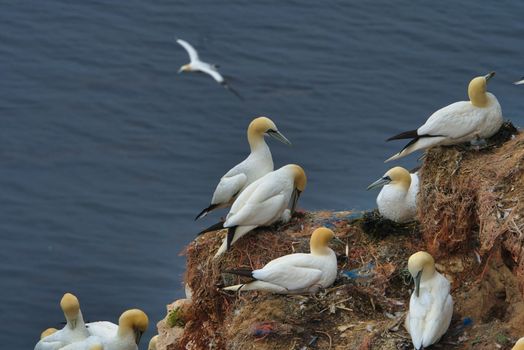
column 411, row 134
column 230, row 236
column 214, row 227
column 205, row 211
column 241, row 272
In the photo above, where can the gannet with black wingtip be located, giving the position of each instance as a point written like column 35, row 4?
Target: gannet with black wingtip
column 295, row 273
column 126, row 336
column 431, row 305
column 397, row 200
column 196, row 65
column 152, row 343
column 519, row 82
column 263, row 203
column 473, row 120
column 257, row 164
column 74, row 330
column 519, row 345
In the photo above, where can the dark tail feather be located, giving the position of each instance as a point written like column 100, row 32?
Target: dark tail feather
column 405, row 135
column 215, row 227
column 230, row 236
column 241, row 272
column 230, row 88
column 205, row 211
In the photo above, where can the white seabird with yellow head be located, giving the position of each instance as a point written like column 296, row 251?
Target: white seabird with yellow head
column 124, row 336
column 473, row 120
column 431, row 305
column 257, row 164
column 196, row 65
column 519, row 345
column 397, row 200
column 74, row 330
column 263, row 203
column 295, row 273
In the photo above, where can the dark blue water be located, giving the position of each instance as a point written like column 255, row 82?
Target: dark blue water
column 106, row 153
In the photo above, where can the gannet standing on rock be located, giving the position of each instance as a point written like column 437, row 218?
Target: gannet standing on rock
column 262, row 203
column 196, row 65
column 295, row 273
column 431, row 305
column 257, row 164
column 519, row 345
column 473, row 120
column 397, row 200
column 74, row 330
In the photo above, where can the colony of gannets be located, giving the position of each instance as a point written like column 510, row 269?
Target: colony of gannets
column 261, row 196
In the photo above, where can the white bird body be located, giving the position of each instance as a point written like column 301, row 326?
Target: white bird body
column 296, row 273
column 463, row 121
column 264, row 202
column 90, row 343
column 397, row 204
column 257, row 164
column 103, row 329
column 519, row 345
column 430, row 312
column 74, row 330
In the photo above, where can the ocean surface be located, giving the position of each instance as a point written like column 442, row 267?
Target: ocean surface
column 107, row 154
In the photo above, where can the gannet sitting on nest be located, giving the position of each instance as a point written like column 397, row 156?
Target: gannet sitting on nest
column 295, row 273
column 124, row 336
column 431, row 305
column 397, row 200
column 196, row 65
column 262, row 203
column 473, row 120
column 519, row 345
column 74, row 330
column 257, row 164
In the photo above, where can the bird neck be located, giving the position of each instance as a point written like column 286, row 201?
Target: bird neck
column 319, row 249
column 256, row 141
column 477, row 95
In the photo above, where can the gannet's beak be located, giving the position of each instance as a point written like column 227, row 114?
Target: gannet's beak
column 278, row 135
column 519, row 82
column 138, row 336
column 489, row 75
column 418, row 277
column 380, row 182
column 181, row 70
column 294, row 199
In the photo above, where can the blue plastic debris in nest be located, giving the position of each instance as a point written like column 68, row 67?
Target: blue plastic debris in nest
column 365, row 271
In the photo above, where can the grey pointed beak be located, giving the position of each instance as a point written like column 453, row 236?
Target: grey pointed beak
column 138, row 336
column 278, row 136
column 489, row 75
column 379, row 183
column 519, row 82
column 180, row 70
column 294, row 200
column 418, row 277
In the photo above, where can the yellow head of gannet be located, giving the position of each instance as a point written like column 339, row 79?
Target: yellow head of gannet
column 135, row 321
column 71, row 308
column 48, row 332
column 519, row 345
column 477, row 90
column 320, row 239
column 152, row 343
column 421, row 266
column 185, row 68
column 397, row 176
column 263, row 126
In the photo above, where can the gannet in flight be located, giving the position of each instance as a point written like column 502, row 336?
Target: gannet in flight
column 519, row 82
column 431, row 305
column 519, row 345
column 257, row 164
column 473, row 120
column 262, row 203
column 397, row 200
column 74, row 330
column 295, row 273
column 152, row 343
column 196, row 65
column 126, row 336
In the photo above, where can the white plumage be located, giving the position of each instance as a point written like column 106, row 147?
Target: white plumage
column 431, row 305
column 257, row 164
column 463, row 121
column 296, row 273
column 74, row 330
column 196, row 65
column 264, row 202
column 519, row 82
column 397, row 200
